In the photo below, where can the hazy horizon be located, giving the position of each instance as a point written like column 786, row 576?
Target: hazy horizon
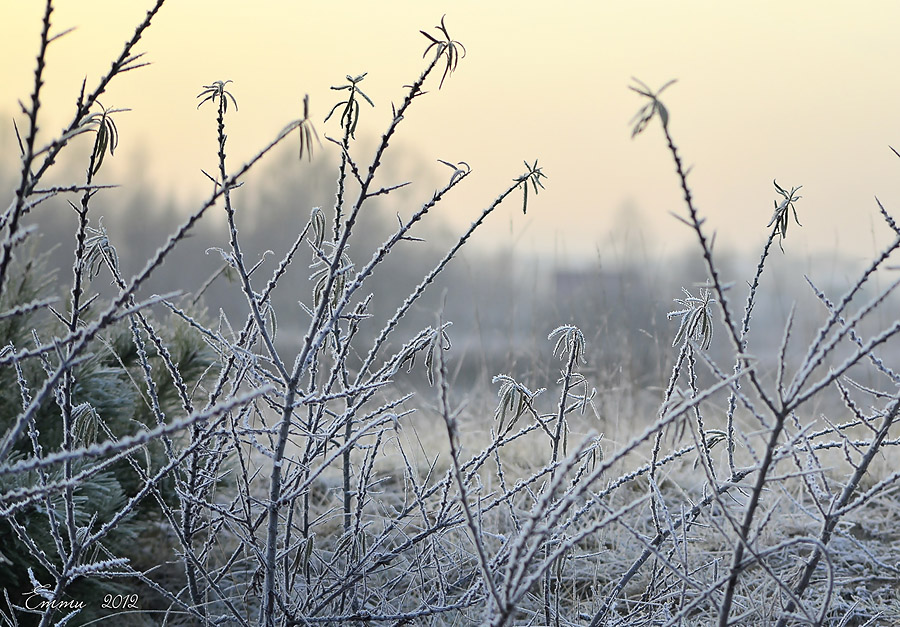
column 764, row 92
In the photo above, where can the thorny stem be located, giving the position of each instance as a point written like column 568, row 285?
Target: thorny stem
column 289, row 382
column 187, row 513
column 558, row 435
column 453, row 437
column 341, row 181
column 68, row 384
column 749, row 513
column 657, row 444
column 745, row 329
column 697, row 224
column 25, row 181
column 126, row 61
column 561, row 409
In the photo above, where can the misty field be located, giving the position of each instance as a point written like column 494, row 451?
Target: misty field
column 308, row 402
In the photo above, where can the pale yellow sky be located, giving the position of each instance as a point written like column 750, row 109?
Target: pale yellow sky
column 804, row 92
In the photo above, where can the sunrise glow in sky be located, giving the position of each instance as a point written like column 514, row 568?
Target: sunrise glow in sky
column 805, row 92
